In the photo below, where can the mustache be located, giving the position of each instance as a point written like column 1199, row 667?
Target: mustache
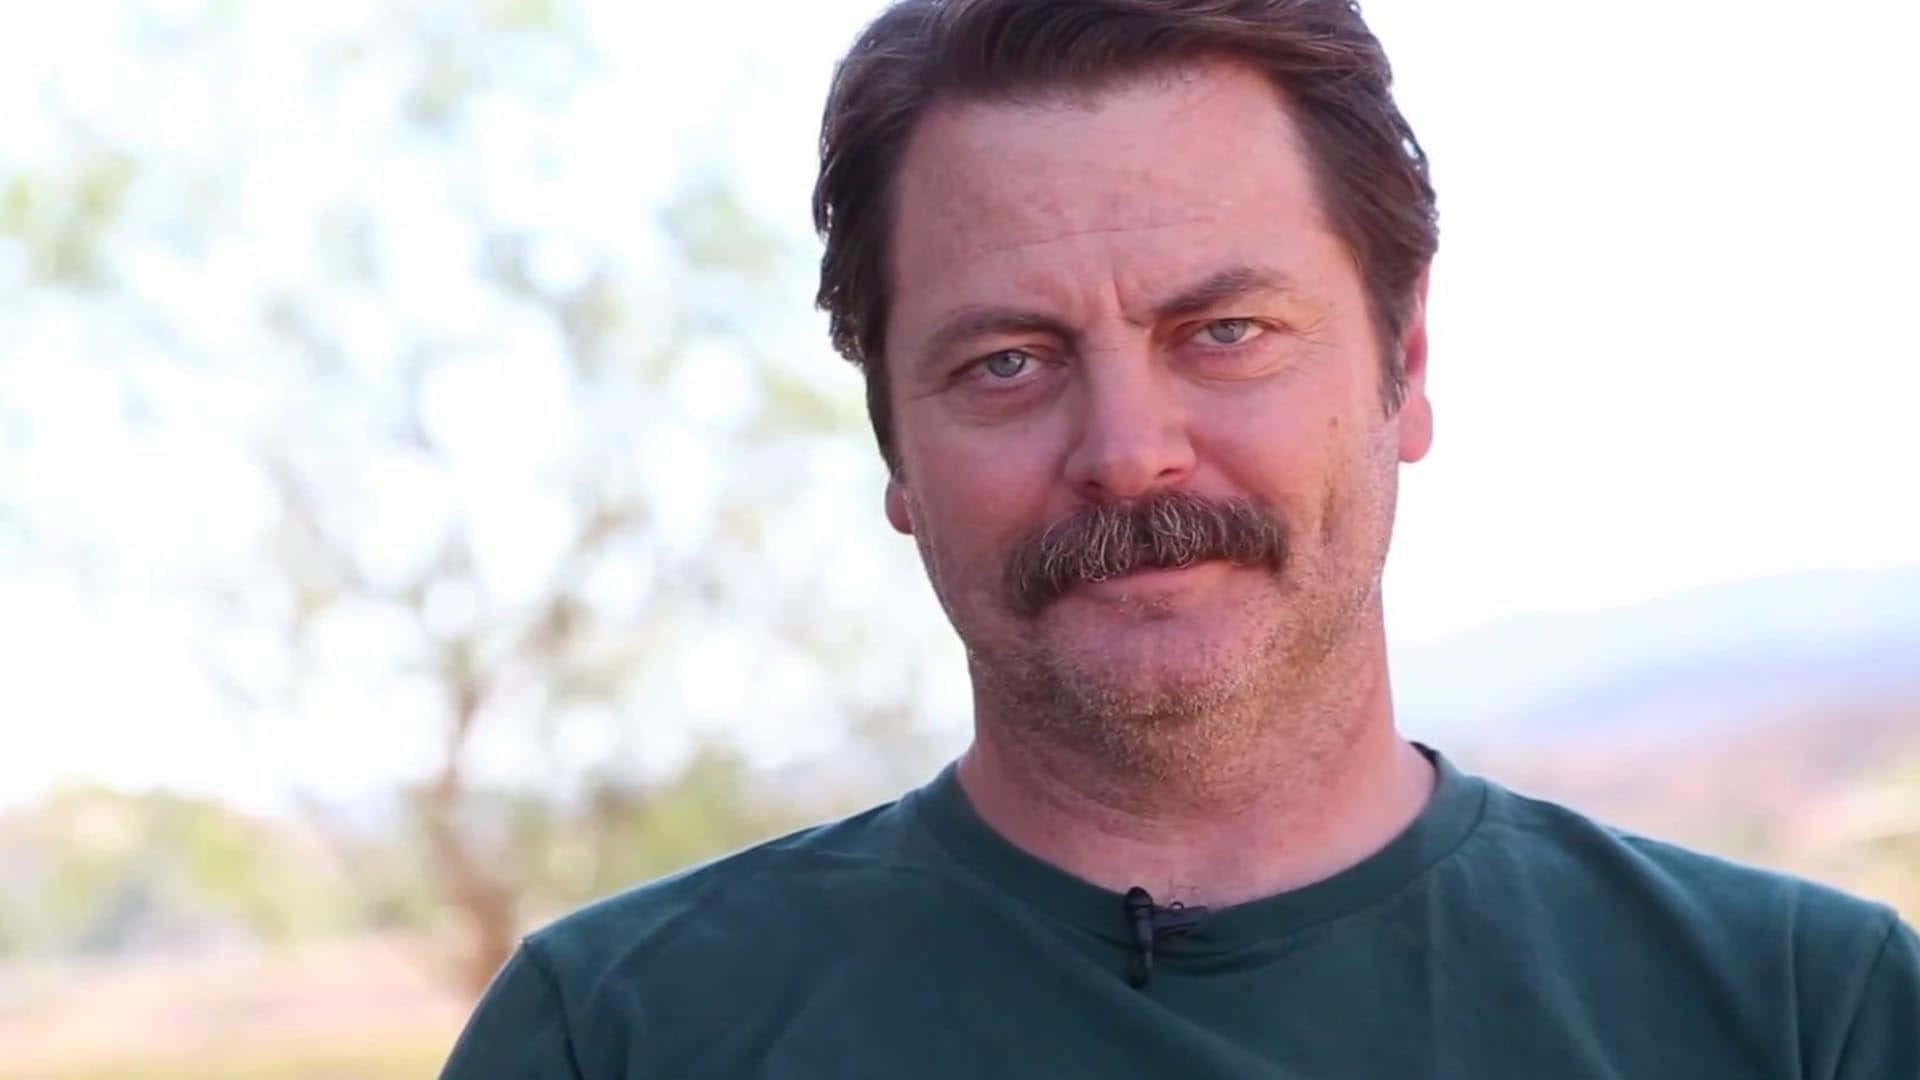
column 1108, row 540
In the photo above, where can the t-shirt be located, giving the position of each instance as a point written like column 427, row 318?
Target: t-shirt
column 1497, row 936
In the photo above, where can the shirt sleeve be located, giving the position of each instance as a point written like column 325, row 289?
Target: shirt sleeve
column 518, row 1031
column 1884, row 1041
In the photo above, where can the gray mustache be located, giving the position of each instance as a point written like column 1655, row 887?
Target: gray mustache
column 1109, row 540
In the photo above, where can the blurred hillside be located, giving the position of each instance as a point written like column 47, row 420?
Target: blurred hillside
column 1774, row 721
column 156, row 935
column 1702, row 660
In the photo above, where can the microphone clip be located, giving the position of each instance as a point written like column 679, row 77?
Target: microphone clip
column 1150, row 923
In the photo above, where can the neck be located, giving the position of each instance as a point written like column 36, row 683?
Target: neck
column 1322, row 781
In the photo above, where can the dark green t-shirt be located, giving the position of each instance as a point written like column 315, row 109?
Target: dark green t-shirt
column 1497, row 937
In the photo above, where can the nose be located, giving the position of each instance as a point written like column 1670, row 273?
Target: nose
column 1131, row 436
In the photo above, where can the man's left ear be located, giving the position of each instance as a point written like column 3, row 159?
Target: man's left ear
column 896, row 503
column 1415, row 418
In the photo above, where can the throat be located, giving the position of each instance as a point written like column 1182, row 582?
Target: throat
column 1217, row 838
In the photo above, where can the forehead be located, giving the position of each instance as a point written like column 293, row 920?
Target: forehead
column 1134, row 187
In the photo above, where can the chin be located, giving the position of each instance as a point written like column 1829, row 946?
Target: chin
column 1167, row 704
column 1146, row 634
column 1149, row 675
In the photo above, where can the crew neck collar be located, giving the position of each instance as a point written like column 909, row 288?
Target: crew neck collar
column 1450, row 815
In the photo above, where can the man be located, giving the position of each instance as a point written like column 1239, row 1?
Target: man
column 1139, row 288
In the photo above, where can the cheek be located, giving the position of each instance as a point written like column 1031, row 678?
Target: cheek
column 1273, row 450
column 1359, row 494
column 974, row 496
column 1297, row 452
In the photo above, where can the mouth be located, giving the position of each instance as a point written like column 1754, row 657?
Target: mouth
column 1152, row 580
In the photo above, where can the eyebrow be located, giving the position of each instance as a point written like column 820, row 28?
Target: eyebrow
column 981, row 321
column 1219, row 287
column 1215, row 289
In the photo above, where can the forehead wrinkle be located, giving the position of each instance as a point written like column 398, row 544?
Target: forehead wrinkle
column 986, row 251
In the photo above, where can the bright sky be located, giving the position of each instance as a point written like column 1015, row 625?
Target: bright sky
column 1672, row 328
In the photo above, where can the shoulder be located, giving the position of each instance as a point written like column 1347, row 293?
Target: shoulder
column 1547, row 842
column 1651, row 905
column 1813, row 974
column 776, row 899
column 677, row 964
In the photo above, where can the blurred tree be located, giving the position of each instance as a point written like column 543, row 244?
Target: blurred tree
column 561, row 647
column 527, row 467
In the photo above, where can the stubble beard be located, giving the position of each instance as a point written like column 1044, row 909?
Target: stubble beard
column 1190, row 736
column 1203, row 731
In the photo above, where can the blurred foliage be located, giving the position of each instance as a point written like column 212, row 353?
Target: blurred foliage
column 469, row 399
column 624, row 833
column 93, row 871
column 61, row 219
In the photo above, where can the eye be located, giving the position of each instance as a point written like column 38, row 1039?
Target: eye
column 1006, row 365
column 1228, row 332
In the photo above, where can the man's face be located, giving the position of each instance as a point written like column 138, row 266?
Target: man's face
column 1098, row 299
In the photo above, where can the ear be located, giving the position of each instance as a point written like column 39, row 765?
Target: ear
column 896, row 502
column 1415, row 418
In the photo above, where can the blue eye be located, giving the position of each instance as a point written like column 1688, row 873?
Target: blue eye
column 1229, row 331
column 1006, row 365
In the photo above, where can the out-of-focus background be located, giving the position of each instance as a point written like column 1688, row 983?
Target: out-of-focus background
column 428, row 501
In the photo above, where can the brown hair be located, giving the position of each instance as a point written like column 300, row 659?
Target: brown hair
column 1329, row 68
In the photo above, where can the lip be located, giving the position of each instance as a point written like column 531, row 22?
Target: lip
column 1153, row 580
